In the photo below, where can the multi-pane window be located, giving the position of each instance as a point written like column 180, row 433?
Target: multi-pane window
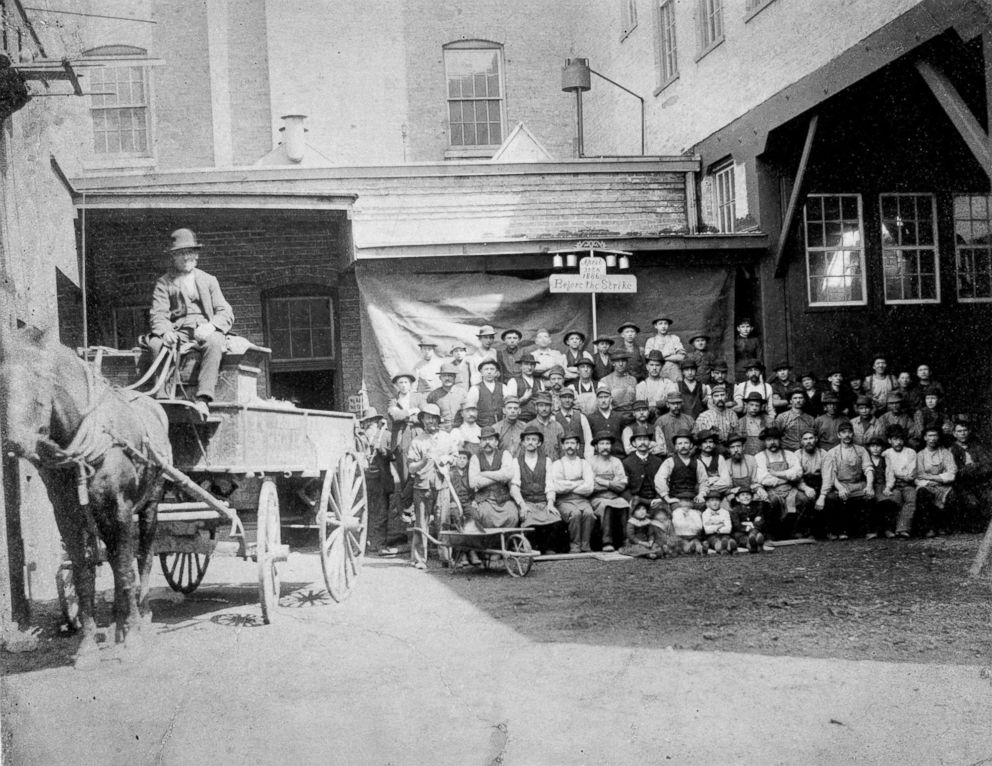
column 475, row 94
column 119, row 108
column 973, row 246
column 300, row 328
column 710, row 23
column 628, row 17
column 726, row 206
column 130, row 322
column 909, row 248
column 667, row 48
column 835, row 256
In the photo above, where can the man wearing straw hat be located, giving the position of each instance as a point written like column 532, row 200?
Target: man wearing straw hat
column 431, row 453
column 487, row 337
column 189, row 307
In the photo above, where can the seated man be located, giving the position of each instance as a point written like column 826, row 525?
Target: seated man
column 623, row 385
column 742, row 469
column 489, row 474
column 848, row 485
column 779, row 473
column 717, row 470
column 794, row 421
column 754, row 420
column 811, row 457
column 188, row 306
column 572, row 419
column 640, row 468
column 971, row 487
column 900, row 479
column 572, row 478
column 533, row 491
column 681, row 478
column 609, row 480
column 655, row 388
column 935, row 475
column 510, row 428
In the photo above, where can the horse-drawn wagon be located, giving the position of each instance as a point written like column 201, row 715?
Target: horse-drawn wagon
column 249, row 454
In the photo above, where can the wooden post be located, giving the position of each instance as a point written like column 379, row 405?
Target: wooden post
column 797, row 189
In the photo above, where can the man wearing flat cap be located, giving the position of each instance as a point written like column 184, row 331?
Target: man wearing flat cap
column 623, row 385
column 573, row 419
column 486, row 336
column 718, row 417
column 188, row 307
column 865, row 424
column 551, row 429
column 607, row 418
column 672, row 422
column 463, row 379
column 510, row 428
column 428, row 369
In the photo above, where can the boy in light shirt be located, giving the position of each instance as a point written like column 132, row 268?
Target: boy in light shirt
column 717, row 525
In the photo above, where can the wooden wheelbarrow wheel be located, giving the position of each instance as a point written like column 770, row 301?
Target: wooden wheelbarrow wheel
column 342, row 519
column 518, row 565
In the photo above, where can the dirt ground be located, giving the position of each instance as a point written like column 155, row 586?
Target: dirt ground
column 880, row 600
column 869, row 652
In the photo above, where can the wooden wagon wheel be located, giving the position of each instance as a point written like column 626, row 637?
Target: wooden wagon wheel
column 518, row 566
column 184, row 571
column 269, row 537
column 342, row 518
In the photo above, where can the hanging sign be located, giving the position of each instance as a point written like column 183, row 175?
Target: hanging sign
column 593, row 283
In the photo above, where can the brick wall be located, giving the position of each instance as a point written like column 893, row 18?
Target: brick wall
column 249, row 252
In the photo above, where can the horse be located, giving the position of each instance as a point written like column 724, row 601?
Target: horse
column 96, row 449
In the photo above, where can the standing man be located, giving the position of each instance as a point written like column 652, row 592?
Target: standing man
column 431, row 453
column 379, row 485
column 623, row 385
column 865, row 424
column 575, row 343
column 670, row 346
column 523, row 386
column 486, row 336
column 428, row 369
column 755, row 420
column 628, row 333
column 509, row 356
column 601, row 358
column 487, row 395
column 550, row 428
column 584, row 386
column 794, row 421
column 463, row 379
column 606, row 418
column 448, row 397
column 403, row 410
column 753, row 383
column 972, row 484
column 718, row 417
column 188, row 307
column 489, row 474
column 511, row 428
column 545, row 356
column 572, row 479
column 572, row 419
column 467, row 435
column 671, row 423
column 655, row 388
column 691, row 390
column 782, row 384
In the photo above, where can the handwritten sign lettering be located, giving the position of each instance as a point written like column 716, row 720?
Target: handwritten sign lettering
column 581, row 283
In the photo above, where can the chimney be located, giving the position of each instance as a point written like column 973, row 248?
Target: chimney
column 293, row 136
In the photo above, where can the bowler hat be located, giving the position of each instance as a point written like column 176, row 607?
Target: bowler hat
column 183, row 239
column 555, row 370
column 654, row 355
column 707, row 433
column 782, row 365
column 488, row 432
column 754, row 396
column 625, row 325
column 662, row 318
column 532, row 429
column 408, row 375
column 876, row 439
column 604, row 434
column 689, row 364
column 713, row 493
column 604, row 339
column 681, row 434
column 771, row 432
column 488, row 360
column 747, row 364
column 570, row 333
column 527, row 359
column 502, row 335
column 641, row 430
column 616, row 356
column 734, row 438
column 719, row 365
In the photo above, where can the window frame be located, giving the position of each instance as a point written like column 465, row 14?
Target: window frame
column 725, row 169
column 706, row 10
column 666, row 78
column 756, row 9
column 302, row 363
column 135, row 310
column 958, row 248
column 861, row 248
column 628, row 18
column 118, row 57
column 935, row 248
column 477, row 150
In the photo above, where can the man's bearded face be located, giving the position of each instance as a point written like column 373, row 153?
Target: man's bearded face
column 808, row 442
column 736, row 451
column 773, row 444
column 489, row 444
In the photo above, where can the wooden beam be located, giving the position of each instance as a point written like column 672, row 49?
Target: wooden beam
column 958, row 113
column 987, row 53
column 797, row 190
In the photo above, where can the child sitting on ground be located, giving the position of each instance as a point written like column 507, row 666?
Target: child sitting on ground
column 462, row 512
column 717, row 525
column 747, row 521
column 640, row 538
column 687, row 523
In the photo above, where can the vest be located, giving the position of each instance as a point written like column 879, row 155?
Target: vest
column 497, row 493
column 527, row 411
column 613, row 424
column 532, row 483
column 683, row 482
column 692, row 401
column 713, row 467
column 490, row 404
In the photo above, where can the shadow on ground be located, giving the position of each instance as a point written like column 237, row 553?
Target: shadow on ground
column 872, row 600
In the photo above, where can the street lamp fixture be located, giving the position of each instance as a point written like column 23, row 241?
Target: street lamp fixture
column 575, row 78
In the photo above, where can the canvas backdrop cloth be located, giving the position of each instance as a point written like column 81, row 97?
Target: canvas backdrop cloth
column 399, row 309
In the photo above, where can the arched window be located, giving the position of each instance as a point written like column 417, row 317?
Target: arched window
column 120, row 105
column 476, row 99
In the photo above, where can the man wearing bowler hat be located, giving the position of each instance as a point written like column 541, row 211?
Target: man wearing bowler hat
column 509, row 356
column 189, row 307
column 601, row 357
column 655, row 388
column 628, row 333
column 575, row 343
